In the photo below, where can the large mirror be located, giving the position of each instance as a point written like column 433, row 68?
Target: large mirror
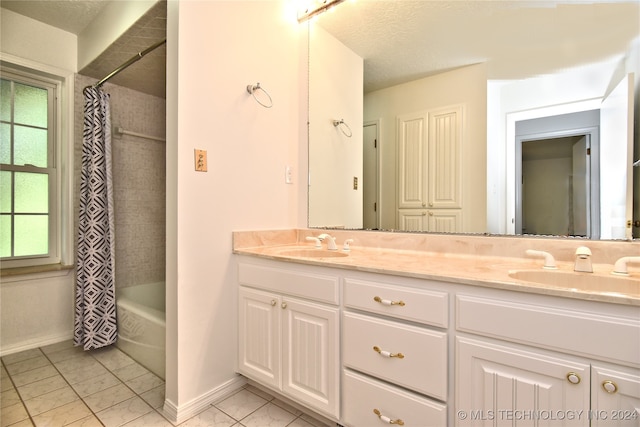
column 505, row 117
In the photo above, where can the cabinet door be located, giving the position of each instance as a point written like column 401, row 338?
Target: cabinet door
column 412, row 219
column 310, row 354
column 503, row 385
column 259, row 336
column 615, row 396
column 444, row 220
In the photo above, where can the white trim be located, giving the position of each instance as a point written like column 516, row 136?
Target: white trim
column 179, row 414
column 36, row 342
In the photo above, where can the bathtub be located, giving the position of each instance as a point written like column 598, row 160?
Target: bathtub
column 141, row 325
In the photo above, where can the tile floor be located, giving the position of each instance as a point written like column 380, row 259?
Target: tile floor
column 61, row 385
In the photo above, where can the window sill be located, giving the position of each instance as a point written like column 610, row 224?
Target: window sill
column 19, row 272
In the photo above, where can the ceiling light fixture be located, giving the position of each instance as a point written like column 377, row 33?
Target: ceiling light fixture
column 316, row 7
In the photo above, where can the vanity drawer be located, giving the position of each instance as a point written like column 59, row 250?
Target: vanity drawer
column 418, row 358
column 362, row 396
column 612, row 338
column 417, row 305
column 317, row 287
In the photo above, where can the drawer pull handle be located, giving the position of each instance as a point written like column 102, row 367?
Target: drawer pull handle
column 609, row 386
column 387, row 354
column 387, row 419
column 273, row 303
column 388, row 302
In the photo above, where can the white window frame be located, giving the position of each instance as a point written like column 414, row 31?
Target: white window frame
column 60, row 200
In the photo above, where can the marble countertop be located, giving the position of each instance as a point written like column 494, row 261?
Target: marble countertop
column 463, row 268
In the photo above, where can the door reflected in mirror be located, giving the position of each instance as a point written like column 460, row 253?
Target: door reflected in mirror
column 444, row 56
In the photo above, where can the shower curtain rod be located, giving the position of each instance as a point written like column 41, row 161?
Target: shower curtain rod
column 129, row 62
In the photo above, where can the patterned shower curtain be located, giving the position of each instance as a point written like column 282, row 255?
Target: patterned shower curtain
column 95, row 308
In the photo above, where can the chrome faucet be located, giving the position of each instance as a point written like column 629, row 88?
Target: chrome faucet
column 583, row 260
column 331, row 241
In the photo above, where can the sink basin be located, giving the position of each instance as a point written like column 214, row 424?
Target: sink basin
column 590, row 282
column 312, row 253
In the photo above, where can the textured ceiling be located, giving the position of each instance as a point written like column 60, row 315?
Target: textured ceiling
column 405, row 40
column 69, row 15
column 145, row 75
column 399, row 40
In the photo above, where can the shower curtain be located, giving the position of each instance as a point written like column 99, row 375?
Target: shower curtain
column 95, row 307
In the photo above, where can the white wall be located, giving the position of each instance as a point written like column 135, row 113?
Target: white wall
column 335, row 86
column 33, row 40
column 37, row 309
column 216, row 49
column 462, row 86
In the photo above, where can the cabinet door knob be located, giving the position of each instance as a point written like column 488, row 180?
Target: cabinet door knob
column 273, row 303
column 387, row 353
column 388, row 302
column 573, row 378
column 283, row 305
column 609, row 386
column 388, row 420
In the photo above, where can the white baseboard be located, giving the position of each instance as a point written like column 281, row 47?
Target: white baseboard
column 182, row 413
column 35, row 343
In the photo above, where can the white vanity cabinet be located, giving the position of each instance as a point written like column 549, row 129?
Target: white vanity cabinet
column 563, row 364
column 395, row 367
column 289, row 334
column 364, row 348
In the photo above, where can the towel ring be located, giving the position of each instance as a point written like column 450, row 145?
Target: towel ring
column 252, row 90
column 337, row 123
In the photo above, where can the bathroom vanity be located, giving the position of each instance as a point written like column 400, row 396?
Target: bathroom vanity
column 380, row 335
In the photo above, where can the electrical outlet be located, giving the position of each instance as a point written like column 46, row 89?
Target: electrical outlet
column 200, row 159
column 355, row 182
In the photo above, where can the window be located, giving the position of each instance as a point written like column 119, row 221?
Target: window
column 29, row 175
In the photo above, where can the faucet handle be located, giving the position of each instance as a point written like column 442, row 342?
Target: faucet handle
column 345, row 246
